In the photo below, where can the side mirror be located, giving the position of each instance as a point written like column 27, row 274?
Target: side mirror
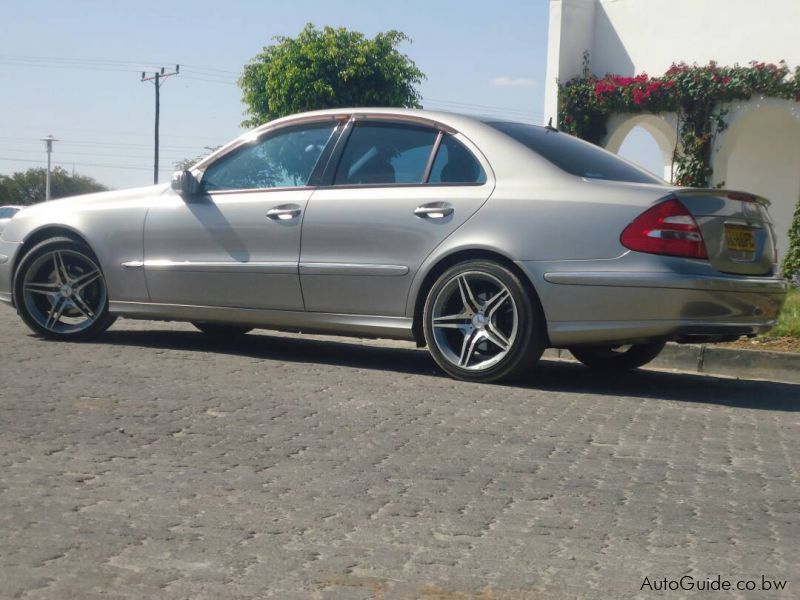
column 185, row 184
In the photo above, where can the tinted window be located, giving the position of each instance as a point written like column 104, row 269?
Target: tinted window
column 385, row 153
column 455, row 164
column 573, row 155
column 7, row 213
column 282, row 159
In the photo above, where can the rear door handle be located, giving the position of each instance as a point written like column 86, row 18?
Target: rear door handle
column 434, row 210
column 284, row 212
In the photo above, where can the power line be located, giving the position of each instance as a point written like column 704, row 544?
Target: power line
column 104, row 144
column 63, row 152
column 220, row 76
column 81, row 164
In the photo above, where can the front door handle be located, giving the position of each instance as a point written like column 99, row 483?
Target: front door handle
column 284, row 212
column 434, row 210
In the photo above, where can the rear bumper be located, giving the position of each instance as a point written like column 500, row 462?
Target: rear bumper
column 596, row 307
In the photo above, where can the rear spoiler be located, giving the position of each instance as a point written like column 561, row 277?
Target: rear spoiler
column 732, row 194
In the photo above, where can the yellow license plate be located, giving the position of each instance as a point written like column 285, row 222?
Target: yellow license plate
column 739, row 238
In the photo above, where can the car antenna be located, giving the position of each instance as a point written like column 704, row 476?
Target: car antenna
column 549, row 125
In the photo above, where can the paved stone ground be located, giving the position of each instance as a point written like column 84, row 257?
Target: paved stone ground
column 156, row 464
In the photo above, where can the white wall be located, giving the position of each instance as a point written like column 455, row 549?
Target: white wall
column 633, row 36
column 760, row 152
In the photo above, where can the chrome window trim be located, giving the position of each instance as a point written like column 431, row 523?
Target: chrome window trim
column 199, row 170
column 327, row 180
column 259, row 190
column 432, row 158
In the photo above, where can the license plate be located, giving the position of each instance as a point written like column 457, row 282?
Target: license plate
column 739, row 238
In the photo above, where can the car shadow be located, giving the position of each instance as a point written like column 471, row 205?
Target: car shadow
column 549, row 375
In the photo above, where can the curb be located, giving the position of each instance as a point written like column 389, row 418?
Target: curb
column 711, row 360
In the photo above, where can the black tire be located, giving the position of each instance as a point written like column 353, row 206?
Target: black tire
column 221, row 332
column 525, row 342
column 617, row 358
column 80, row 260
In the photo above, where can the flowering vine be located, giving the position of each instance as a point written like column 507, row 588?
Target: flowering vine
column 696, row 93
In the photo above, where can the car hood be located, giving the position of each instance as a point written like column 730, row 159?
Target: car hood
column 66, row 210
column 98, row 198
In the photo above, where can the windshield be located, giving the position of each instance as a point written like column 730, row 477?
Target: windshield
column 6, row 212
column 573, row 155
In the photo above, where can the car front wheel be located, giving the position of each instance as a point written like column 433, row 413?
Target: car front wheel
column 618, row 358
column 481, row 323
column 60, row 291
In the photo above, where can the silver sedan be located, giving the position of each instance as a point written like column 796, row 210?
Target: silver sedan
column 485, row 240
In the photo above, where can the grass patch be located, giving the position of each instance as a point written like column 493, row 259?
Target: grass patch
column 789, row 320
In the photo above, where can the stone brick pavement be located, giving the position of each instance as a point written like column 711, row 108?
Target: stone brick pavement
column 156, row 464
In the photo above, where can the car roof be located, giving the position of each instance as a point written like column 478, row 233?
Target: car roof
column 475, row 128
column 447, row 119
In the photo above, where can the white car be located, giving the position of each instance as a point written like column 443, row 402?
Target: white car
column 6, row 212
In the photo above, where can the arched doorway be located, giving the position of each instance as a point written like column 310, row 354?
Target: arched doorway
column 760, row 153
column 653, row 138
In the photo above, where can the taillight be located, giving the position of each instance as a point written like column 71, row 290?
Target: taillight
column 666, row 228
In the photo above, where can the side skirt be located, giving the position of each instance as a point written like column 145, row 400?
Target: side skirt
column 398, row 328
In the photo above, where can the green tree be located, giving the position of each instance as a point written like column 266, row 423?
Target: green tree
column 328, row 68
column 791, row 264
column 29, row 187
column 187, row 163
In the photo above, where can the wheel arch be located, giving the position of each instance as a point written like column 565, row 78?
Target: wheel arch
column 447, row 261
column 44, row 233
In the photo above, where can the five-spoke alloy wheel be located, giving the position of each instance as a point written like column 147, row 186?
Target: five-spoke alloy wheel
column 481, row 324
column 60, row 291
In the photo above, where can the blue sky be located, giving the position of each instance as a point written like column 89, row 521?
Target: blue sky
column 72, row 69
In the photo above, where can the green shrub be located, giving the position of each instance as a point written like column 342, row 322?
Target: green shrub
column 791, row 264
column 789, row 320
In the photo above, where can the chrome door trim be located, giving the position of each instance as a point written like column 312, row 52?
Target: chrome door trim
column 667, row 280
column 307, row 322
column 324, row 268
column 280, row 268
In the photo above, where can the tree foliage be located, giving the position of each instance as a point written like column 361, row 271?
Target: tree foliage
column 188, row 163
column 328, row 68
column 29, row 187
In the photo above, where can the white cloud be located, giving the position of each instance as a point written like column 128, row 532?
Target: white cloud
column 505, row 81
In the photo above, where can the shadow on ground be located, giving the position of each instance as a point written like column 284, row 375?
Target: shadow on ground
column 549, row 375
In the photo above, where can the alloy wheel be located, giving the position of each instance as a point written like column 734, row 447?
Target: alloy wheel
column 475, row 320
column 64, row 291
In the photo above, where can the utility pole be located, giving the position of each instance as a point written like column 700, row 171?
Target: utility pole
column 48, row 143
column 157, row 79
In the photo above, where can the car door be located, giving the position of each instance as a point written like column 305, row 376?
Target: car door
column 237, row 244
column 398, row 190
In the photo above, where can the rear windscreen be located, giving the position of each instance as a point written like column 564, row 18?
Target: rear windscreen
column 573, row 155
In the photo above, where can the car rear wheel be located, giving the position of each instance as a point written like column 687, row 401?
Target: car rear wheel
column 618, row 358
column 222, row 332
column 60, row 291
column 481, row 323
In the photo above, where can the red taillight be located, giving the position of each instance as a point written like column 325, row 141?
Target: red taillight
column 666, row 228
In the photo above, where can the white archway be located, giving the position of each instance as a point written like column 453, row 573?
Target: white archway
column 661, row 127
column 759, row 152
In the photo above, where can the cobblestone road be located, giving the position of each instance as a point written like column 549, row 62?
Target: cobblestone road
column 156, row 464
